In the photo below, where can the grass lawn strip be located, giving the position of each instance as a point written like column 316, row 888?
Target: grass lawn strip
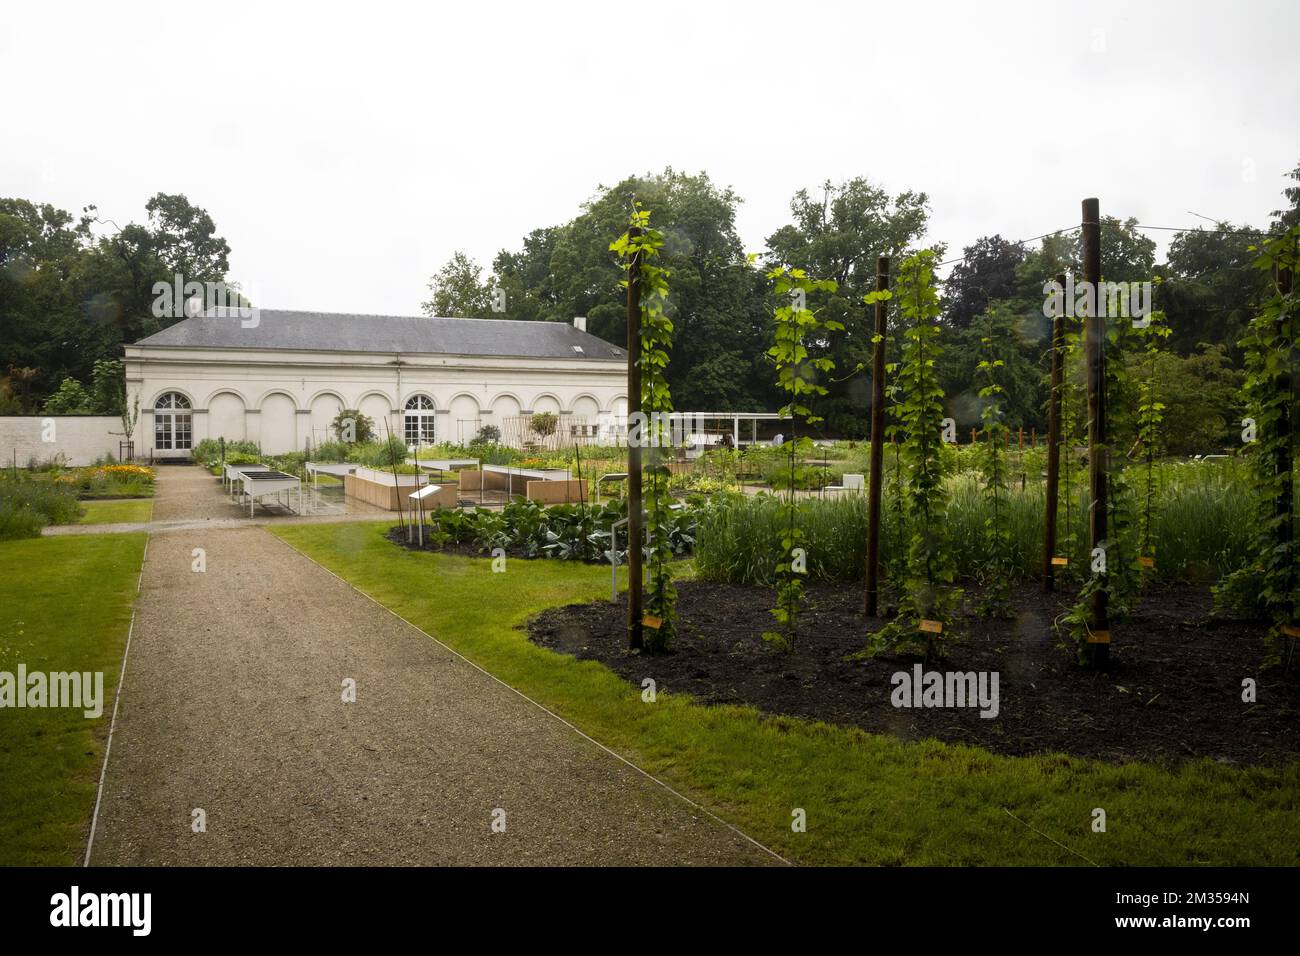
column 123, row 511
column 65, row 605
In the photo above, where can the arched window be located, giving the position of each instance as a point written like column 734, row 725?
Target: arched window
column 173, row 428
column 419, row 420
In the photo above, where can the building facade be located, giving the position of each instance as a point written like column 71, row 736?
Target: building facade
column 280, row 378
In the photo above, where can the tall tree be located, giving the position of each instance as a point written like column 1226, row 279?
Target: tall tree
column 837, row 233
column 185, row 239
column 1289, row 216
column 458, row 290
column 986, row 273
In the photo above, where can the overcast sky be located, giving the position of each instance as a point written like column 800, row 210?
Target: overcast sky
column 346, row 150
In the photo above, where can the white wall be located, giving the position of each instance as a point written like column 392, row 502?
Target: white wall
column 80, row 439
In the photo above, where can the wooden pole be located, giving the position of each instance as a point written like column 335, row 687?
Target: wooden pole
column 1053, row 448
column 1098, row 649
column 877, row 444
column 635, row 584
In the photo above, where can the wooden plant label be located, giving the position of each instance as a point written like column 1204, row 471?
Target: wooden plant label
column 1099, row 637
column 1147, row 562
column 652, row 622
column 1060, row 562
column 931, row 627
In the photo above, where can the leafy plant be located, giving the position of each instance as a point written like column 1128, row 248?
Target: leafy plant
column 798, row 375
column 928, row 597
column 996, row 573
column 640, row 247
column 1270, row 585
column 544, row 423
column 350, row 426
column 1150, row 417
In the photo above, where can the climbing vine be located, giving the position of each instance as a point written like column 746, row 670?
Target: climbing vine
column 1112, row 565
column 655, row 437
column 1150, row 416
column 996, row 571
column 1271, row 583
column 798, row 374
column 928, row 598
column 1072, row 401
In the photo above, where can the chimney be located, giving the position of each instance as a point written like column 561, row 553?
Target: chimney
column 580, row 323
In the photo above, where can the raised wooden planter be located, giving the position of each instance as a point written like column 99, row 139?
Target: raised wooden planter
column 379, row 489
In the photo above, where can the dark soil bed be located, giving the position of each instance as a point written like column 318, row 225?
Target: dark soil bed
column 1173, row 691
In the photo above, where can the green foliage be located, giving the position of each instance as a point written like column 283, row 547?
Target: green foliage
column 1271, row 584
column 27, row 506
column 350, row 426
column 564, row 532
column 70, row 298
column 927, row 594
column 996, row 574
column 1202, row 530
column 71, row 399
column 458, row 290
column 108, row 387
column 799, row 375
column 544, row 423
column 207, row 451
column 642, row 251
column 1150, row 418
column 1115, row 570
column 380, row 454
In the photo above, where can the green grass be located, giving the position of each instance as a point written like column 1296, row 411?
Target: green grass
column 65, row 604
column 869, row 798
column 116, row 512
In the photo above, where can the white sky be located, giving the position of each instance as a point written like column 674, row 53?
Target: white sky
column 345, row 150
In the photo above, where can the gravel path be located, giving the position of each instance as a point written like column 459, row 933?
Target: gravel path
column 232, row 703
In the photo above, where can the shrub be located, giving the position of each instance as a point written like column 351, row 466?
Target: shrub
column 544, row 423
column 208, row 452
column 330, row 451
column 26, row 506
column 379, row 454
column 351, row 426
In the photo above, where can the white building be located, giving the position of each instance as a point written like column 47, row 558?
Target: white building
column 279, row 378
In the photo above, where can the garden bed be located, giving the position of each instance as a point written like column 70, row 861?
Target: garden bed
column 468, row 549
column 1173, row 691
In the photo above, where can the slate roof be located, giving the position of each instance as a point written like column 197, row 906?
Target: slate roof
column 342, row 332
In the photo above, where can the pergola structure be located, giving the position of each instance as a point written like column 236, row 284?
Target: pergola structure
column 711, row 424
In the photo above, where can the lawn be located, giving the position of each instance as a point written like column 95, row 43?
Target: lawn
column 868, row 798
column 117, row 512
column 65, row 604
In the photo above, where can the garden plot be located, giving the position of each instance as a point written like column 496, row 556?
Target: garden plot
column 1174, row 694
